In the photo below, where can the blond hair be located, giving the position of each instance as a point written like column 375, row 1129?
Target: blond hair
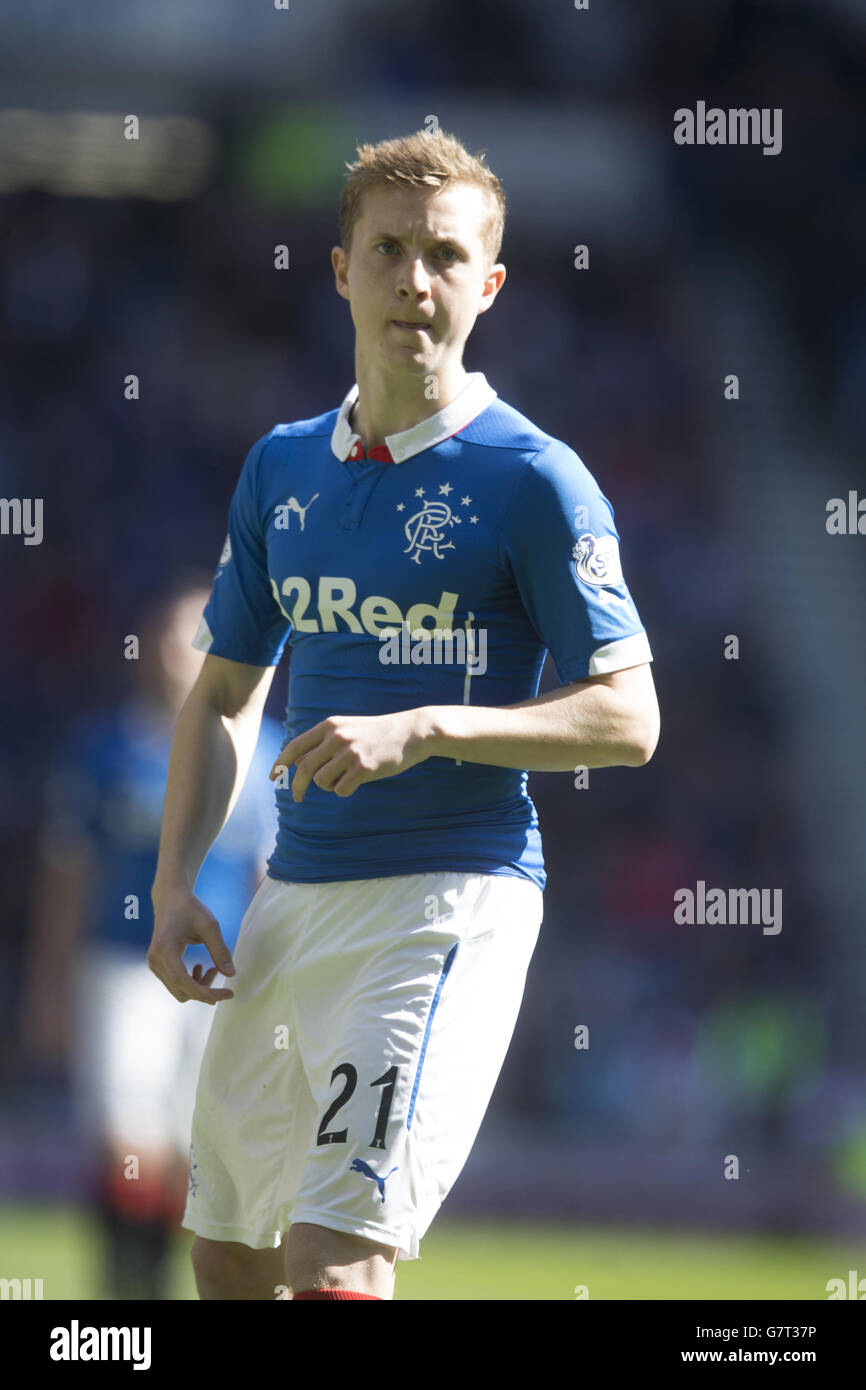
column 426, row 159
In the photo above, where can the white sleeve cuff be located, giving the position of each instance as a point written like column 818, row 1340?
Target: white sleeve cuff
column 618, row 656
column 203, row 639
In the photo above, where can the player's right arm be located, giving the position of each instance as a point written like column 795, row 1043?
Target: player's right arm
column 214, row 740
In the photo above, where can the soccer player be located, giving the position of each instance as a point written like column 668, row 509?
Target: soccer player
column 89, row 1001
column 420, row 549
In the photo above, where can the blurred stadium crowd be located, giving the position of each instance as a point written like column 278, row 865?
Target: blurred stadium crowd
column 696, row 1035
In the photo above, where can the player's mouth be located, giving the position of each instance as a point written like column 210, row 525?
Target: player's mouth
column 412, row 327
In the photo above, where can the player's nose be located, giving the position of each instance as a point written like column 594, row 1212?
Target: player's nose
column 414, row 278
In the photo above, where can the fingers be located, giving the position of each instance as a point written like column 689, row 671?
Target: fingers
column 348, row 783
column 339, row 769
column 182, row 920
column 341, row 774
column 307, row 752
column 182, row 986
column 165, row 959
column 204, row 978
column 293, row 750
column 212, row 938
column 308, row 766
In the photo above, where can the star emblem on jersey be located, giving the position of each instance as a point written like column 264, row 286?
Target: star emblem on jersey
column 429, row 528
column 596, row 561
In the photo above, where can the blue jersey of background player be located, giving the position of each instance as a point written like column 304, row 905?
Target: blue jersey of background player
column 100, row 833
column 109, row 791
column 474, row 523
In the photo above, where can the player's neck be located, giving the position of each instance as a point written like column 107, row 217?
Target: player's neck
column 389, row 406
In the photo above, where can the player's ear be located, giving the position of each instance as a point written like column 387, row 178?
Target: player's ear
column 493, row 282
column 340, row 262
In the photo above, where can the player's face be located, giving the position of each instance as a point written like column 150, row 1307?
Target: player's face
column 418, row 274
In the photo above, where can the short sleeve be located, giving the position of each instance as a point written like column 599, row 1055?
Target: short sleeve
column 241, row 620
column 560, row 544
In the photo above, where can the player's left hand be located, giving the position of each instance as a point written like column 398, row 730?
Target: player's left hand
column 341, row 752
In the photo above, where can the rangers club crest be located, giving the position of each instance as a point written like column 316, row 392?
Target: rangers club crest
column 430, row 528
column 596, row 561
column 427, row 530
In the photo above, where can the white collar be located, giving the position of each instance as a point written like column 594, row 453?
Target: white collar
column 475, row 397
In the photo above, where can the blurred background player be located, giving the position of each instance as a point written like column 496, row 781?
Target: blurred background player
column 91, row 1004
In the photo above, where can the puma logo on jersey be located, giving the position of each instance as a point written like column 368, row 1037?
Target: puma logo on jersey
column 292, row 505
column 359, row 1166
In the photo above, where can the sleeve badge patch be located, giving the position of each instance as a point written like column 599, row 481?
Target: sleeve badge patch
column 226, row 553
column 596, row 561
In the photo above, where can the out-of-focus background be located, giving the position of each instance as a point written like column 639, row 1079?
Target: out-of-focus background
column 609, row 1165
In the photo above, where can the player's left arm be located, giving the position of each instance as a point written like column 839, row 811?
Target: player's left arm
column 604, row 721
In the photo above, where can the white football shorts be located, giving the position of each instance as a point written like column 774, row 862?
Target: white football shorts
column 346, row 1081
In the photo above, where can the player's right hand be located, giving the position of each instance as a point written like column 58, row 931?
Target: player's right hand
column 180, row 920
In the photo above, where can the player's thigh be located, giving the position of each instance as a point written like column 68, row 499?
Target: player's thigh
column 468, row 1037
column 253, row 1109
column 230, row 1269
column 407, row 1024
column 197, row 1019
column 306, row 1240
column 318, row 1254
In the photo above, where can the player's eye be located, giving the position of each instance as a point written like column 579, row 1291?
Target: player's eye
column 448, row 251
column 384, row 243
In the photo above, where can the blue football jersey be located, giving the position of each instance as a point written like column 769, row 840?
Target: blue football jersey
column 107, row 790
column 473, row 526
